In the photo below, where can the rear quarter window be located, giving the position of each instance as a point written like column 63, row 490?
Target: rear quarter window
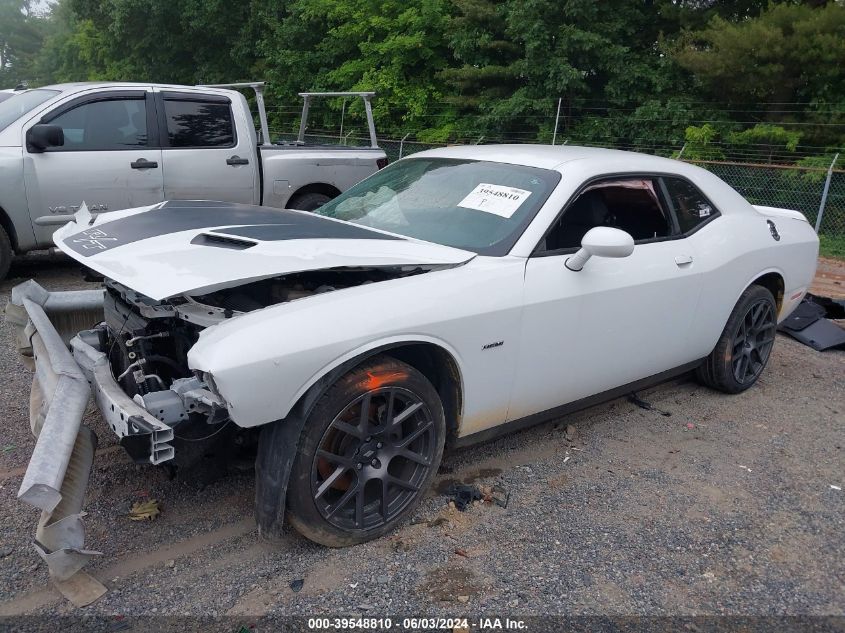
column 692, row 208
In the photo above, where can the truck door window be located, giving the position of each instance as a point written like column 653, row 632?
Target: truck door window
column 105, row 124
column 195, row 123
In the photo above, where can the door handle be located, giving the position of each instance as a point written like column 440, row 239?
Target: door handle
column 143, row 163
column 237, row 160
column 683, row 260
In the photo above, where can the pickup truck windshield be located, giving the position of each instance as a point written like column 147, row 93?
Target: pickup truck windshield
column 478, row 206
column 13, row 109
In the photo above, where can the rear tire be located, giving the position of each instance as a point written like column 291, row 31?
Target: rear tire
column 745, row 345
column 6, row 253
column 308, row 201
column 369, row 450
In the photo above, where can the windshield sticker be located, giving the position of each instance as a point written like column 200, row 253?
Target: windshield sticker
column 496, row 199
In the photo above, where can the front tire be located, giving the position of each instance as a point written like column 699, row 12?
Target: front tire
column 746, row 343
column 368, row 452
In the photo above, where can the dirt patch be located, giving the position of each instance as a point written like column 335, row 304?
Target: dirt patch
column 452, row 583
column 830, row 278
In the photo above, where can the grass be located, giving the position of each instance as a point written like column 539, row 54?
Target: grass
column 832, row 246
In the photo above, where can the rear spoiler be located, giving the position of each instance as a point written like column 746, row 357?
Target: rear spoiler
column 777, row 212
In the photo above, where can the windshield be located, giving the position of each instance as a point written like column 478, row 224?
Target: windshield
column 13, row 109
column 474, row 205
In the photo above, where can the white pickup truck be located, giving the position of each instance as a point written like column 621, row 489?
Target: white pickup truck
column 123, row 145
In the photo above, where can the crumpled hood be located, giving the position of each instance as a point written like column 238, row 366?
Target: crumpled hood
column 193, row 247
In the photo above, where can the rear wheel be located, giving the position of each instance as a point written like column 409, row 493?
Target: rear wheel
column 308, row 201
column 6, row 253
column 745, row 345
column 369, row 451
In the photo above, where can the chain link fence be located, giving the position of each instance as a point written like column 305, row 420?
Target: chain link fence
column 799, row 188
column 790, row 187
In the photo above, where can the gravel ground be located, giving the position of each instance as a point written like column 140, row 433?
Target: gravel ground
column 729, row 505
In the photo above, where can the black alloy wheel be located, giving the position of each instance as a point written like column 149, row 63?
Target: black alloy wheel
column 745, row 345
column 369, row 450
column 373, row 459
column 753, row 342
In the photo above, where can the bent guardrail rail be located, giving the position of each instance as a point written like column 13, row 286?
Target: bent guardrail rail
column 58, row 471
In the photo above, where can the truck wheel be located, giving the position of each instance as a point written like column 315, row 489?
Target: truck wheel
column 745, row 345
column 367, row 454
column 308, row 201
column 6, row 253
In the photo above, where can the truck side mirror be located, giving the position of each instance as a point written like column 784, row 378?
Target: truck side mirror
column 41, row 136
column 601, row 241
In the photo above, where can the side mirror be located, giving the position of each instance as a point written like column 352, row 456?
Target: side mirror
column 601, row 241
column 40, row 137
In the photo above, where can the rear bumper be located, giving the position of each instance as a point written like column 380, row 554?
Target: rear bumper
column 57, row 475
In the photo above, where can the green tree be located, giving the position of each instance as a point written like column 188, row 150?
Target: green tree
column 21, row 36
column 190, row 41
column 391, row 46
column 789, row 54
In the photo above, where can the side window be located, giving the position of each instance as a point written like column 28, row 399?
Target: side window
column 199, row 123
column 104, row 125
column 630, row 204
column 691, row 207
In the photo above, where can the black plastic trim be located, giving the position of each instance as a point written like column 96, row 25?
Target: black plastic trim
column 222, row 241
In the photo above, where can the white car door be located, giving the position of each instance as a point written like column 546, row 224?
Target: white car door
column 109, row 159
column 205, row 158
column 615, row 321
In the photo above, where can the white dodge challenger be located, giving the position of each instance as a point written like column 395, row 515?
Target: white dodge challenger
column 457, row 294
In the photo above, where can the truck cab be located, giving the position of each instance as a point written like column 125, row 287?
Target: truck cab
column 124, row 145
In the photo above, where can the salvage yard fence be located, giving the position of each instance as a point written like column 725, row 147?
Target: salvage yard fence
column 817, row 192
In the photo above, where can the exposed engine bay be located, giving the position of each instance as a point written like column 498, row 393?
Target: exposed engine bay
column 147, row 344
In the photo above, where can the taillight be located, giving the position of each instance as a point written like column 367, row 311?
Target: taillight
column 381, row 163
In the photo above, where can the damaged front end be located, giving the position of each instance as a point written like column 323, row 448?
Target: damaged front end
column 130, row 353
column 71, row 364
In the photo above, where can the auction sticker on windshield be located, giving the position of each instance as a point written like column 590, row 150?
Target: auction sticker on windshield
column 497, row 199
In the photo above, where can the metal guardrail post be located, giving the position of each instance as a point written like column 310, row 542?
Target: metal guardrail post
column 824, row 193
